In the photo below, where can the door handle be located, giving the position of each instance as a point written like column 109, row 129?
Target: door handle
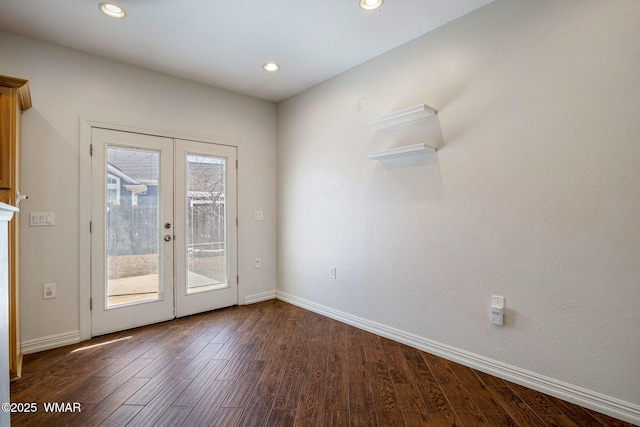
column 167, row 238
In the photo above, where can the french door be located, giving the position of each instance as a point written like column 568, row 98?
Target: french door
column 163, row 240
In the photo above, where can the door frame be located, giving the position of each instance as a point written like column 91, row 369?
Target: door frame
column 84, row 214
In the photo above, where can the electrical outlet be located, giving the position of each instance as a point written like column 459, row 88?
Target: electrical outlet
column 257, row 263
column 332, row 271
column 497, row 301
column 49, row 290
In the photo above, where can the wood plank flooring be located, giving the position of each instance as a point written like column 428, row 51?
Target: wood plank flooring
column 272, row 364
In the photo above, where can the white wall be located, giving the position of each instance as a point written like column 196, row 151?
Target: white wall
column 65, row 85
column 534, row 193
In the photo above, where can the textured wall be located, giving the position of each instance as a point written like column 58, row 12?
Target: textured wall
column 66, row 85
column 534, row 193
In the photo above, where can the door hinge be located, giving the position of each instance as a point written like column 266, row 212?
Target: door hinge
column 236, row 221
column 236, row 163
column 91, row 149
column 90, row 304
column 90, row 226
column 238, row 279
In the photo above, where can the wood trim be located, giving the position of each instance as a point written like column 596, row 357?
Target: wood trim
column 7, row 136
column 15, row 331
column 13, row 82
column 23, row 91
column 24, row 97
column 14, row 96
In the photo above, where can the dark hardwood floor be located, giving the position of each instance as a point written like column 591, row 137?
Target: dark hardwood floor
column 272, row 364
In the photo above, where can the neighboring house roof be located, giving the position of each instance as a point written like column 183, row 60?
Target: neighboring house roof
column 113, row 170
column 141, row 166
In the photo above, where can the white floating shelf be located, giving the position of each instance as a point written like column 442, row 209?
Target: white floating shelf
column 394, row 153
column 404, row 116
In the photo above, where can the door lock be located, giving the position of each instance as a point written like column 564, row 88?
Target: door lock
column 167, row 226
column 167, row 238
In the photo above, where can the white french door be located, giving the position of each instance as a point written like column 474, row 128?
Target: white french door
column 205, row 224
column 163, row 240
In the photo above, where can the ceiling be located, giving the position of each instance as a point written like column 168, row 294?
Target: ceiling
column 225, row 43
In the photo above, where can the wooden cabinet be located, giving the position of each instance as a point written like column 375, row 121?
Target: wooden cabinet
column 14, row 97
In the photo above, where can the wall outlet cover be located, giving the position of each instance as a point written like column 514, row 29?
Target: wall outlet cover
column 49, row 290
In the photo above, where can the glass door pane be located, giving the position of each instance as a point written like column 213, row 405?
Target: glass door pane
column 132, row 209
column 206, row 223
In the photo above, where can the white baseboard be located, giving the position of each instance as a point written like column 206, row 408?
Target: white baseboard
column 263, row 296
column 611, row 406
column 73, row 337
column 52, row 341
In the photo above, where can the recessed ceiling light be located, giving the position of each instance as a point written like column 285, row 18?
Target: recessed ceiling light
column 370, row 4
column 113, row 10
column 271, row 66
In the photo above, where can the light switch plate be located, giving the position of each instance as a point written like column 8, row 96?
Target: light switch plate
column 42, row 219
column 258, row 216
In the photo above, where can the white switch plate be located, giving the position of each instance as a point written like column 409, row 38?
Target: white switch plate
column 257, row 263
column 333, row 272
column 258, row 216
column 42, row 219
